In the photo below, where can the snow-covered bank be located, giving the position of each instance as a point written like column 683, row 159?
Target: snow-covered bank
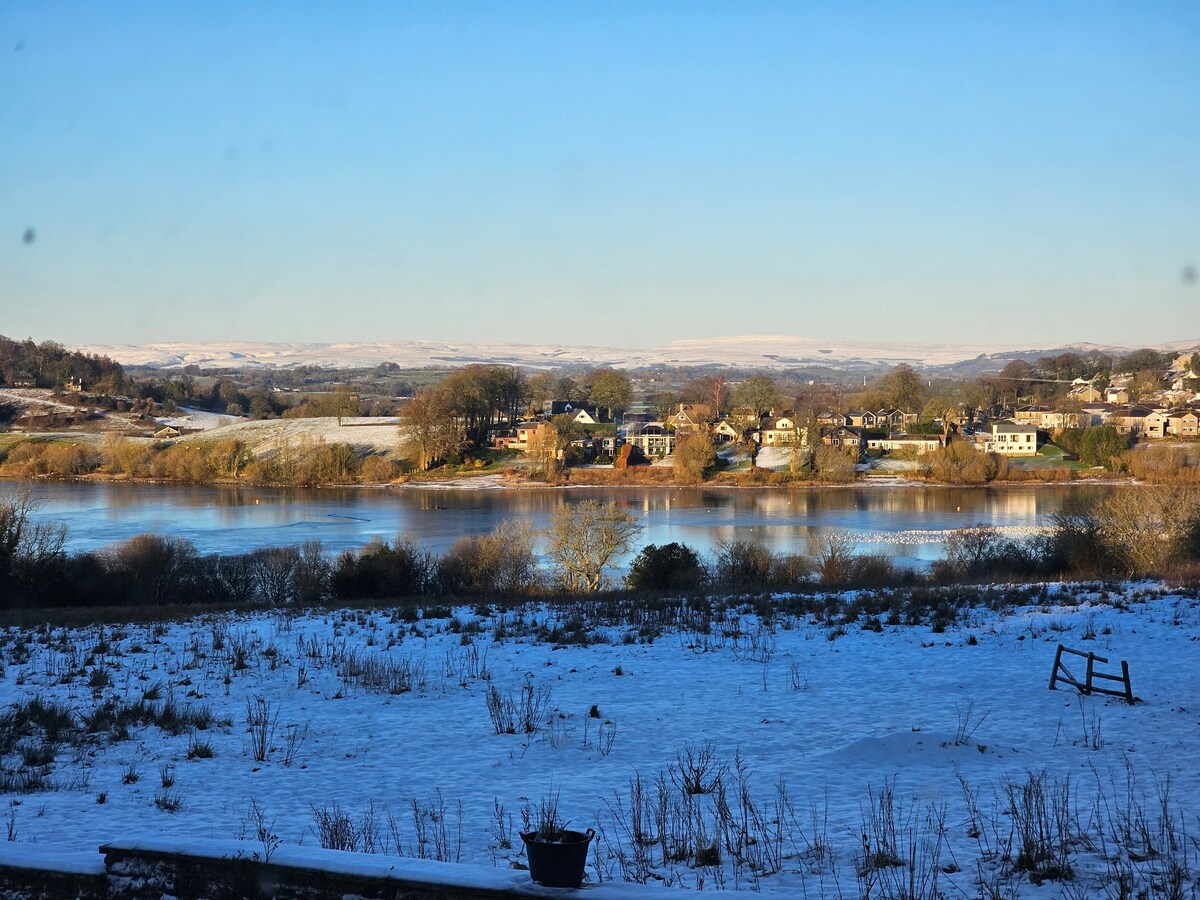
column 378, row 713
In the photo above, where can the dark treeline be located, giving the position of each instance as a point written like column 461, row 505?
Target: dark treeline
column 1135, row 533
column 51, row 365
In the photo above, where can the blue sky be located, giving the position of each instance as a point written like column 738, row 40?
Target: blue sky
column 603, row 173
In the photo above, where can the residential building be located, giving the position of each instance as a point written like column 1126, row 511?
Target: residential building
column 1011, row 439
column 653, row 438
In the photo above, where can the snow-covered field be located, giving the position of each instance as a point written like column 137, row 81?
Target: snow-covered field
column 199, row 419
column 263, row 435
column 823, row 748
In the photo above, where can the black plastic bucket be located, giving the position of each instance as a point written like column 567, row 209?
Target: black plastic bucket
column 558, row 864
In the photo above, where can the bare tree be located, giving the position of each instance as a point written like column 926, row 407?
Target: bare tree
column 24, row 542
column 583, row 538
column 1149, row 528
column 711, row 390
column 833, row 553
column 429, row 428
column 758, row 392
column 903, row 387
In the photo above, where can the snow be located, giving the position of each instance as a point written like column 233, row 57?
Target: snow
column 753, row 351
column 199, row 419
column 265, row 435
column 51, row 857
column 830, row 712
column 420, row 871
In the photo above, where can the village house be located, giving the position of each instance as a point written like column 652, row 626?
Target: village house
column 583, row 413
column 1083, row 391
column 744, row 416
column 1154, row 425
column 778, row 430
column 1011, row 439
column 1097, row 413
column 1030, row 415
column 860, row 418
column 1183, row 423
column 522, row 436
column 638, row 414
column 844, row 437
column 725, row 432
column 1129, row 419
column 654, row 439
column 1048, row 419
column 894, row 421
column 607, row 444
column 690, row 417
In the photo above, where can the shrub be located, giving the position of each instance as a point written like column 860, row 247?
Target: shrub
column 501, row 562
column 382, row 570
column 742, row 565
column 671, row 567
column 960, row 463
column 694, row 458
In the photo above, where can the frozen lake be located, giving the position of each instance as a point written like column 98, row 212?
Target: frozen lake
column 908, row 522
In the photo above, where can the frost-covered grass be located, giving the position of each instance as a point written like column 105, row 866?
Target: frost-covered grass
column 863, row 744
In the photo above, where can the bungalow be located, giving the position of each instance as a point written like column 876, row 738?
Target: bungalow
column 167, row 432
column 911, row 443
column 1011, row 439
column 1116, row 394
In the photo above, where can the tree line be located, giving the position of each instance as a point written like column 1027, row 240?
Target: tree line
column 51, row 365
column 1134, row 533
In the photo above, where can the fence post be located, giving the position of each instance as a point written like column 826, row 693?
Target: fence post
column 1128, row 684
column 1054, row 672
column 1087, row 682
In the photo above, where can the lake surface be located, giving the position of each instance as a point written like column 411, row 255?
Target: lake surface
column 908, row 522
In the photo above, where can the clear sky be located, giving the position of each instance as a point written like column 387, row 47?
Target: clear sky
column 605, row 173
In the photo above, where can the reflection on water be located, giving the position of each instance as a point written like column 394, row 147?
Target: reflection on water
column 228, row 519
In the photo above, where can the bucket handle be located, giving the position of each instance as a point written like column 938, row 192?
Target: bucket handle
column 590, row 834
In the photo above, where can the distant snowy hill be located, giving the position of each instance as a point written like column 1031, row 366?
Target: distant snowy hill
column 753, row 352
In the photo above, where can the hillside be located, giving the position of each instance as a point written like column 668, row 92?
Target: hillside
column 747, row 352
